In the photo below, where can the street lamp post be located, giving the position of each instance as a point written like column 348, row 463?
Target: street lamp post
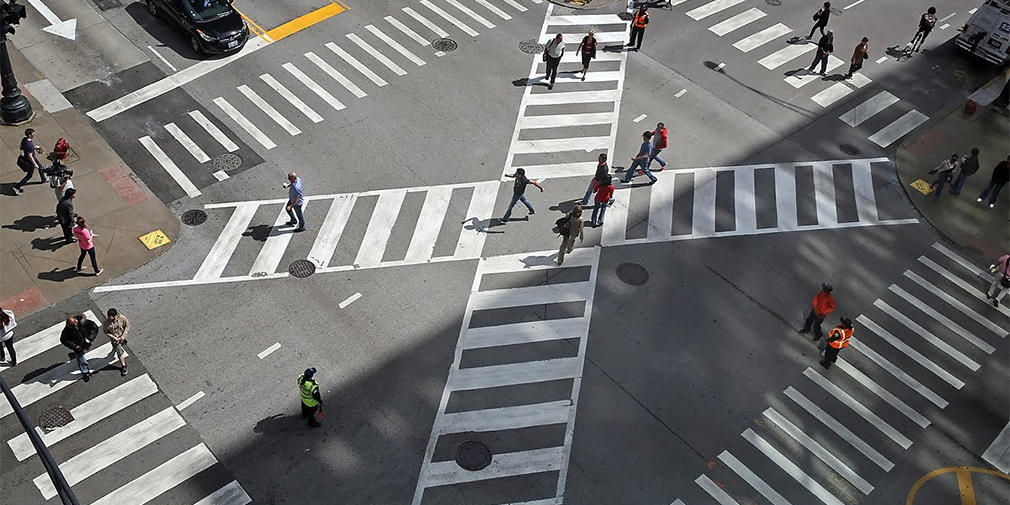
column 15, row 109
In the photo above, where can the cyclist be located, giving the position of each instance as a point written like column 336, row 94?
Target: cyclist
column 926, row 23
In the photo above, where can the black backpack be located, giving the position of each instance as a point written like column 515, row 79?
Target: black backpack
column 564, row 226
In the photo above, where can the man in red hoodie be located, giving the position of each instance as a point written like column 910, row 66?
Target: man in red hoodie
column 823, row 304
column 659, row 142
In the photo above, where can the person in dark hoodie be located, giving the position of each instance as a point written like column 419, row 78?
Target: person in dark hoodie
column 74, row 337
column 969, row 165
column 1000, row 176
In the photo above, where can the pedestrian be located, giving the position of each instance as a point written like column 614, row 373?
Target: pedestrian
column 570, row 227
column 926, row 23
column 820, row 19
column 84, row 240
column 601, row 170
column 638, row 24
column 296, row 199
column 660, row 140
column 825, row 47
column 308, row 389
column 641, row 161
column 997, row 290
column 861, row 52
column 838, row 339
column 969, row 165
column 65, row 214
column 7, row 318
column 28, row 160
column 1000, row 176
column 117, row 326
column 823, row 305
column 587, row 48
column 519, row 193
column 553, row 51
column 944, row 171
column 73, row 338
column 604, row 199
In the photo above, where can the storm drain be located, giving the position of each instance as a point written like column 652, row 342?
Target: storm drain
column 226, row 162
column 531, row 47
column 301, row 268
column 445, row 45
column 849, row 149
column 627, row 16
column 472, row 455
column 774, row 3
column 632, row 274
column 56, row 417
column 194, row 217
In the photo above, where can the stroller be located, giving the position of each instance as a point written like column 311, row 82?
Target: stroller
column 58, row 170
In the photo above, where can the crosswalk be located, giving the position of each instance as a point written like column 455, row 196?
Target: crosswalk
column 919, row 344
column 300, row 93
column 499, row 378
column 86, row 449
column 684, row 205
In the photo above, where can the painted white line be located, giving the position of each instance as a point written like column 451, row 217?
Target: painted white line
column 927, row 335
column 189, row 401
column 680, row 93
column 57, row 378
column 608, row 95
column 639, row 118
column 505, row 418
column 944, row 320
column 910, row 352
column 948, row 16
column 859, row 408
column 269, row 110
column 868, row 109
column 49, row 338
column 429, row 223
column 510, row 464
column 187, row 143
column 162, row 58
column 862, row 185
column 112, row 449
column 246, row 125
column 291, row 98
column 395, row 45
column 785, row 55
column 559, row 120
column 331, row 230
column 824, row 190
column 448, row 17
column 213, row 130
column 164, row 477
column 478, row 215
column 514, row 373
column 231, row 494
column 790, row 468
column 498, row 12
column 857, row 2
column 586, row 144
column 859, row 80
column 173, row 170
column 615, row 228
column 352, row 61
column 998, row 452
column 839, row 429
column 968, row 288
column 525, row 333
column 785, row 197
column 469, row 12
column 715, row 491
column 745, row 208
column 899, row 128
column 219, row 255
column 756, row 482
column 572, row 39
column 586, row 20
column 574, row 57
column 972, row 12
column 832, row 94
column 703, row 211
column 898, row 373
column 945, row 26
column 337, row 76
column 428, row 24
column 277, row 241
column 518, row 6
column 711, row 8
column 804, row 77
column 720, row 66
column 762, row 37
column 963, row 262
column 349, row 300
column 269, row 350
column 737, row 21
column 313, row 85
column 980, row 319
column 380, row 226
column 408, row 32
column 882, row 59
column 220, row 175
column 884, row 394
column 661, row 207
column 529, row 295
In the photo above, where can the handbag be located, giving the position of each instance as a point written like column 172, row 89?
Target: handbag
column 23, row 163
column 817, row 15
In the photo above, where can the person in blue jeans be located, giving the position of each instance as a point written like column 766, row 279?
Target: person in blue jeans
column 296, row 198
column 641, row 161
column 601, row 170
column 28, row 151
column 73, row 337
column 519, row 193
column 604, row 199
column 1000, row 177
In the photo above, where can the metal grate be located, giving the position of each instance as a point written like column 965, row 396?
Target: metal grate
column 301, row 268
column 849, row 149
column 194, row 217
column 226, row 162
column 472, row 455
column 445, row 45
column 531, row 47
column 632, row 274
column 56, row 417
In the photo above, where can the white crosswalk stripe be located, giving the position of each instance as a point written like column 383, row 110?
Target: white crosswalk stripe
column 173, row 170
column 450, row 18
column 738, row 21
column 269, row 110
column 713, row 7
column 291, row 98
column 395, row 45
column 352, row 61
column 246, row 125
column 187, row 142
column 424, row 21
column 469, row 12
column 213, row 130
column 758, row 39
column 411, row 34
column 376, row 54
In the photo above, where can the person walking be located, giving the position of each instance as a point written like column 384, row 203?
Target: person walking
column 116, row 327
column 308, row 389
column 74, row 339
column 660, row 140
column 63, row 183
column 838, row 339
column 519, row 193
column 1000, row 176
column 944, row 171
column 861, row 52
column 7, row 341
column 998, row 288
column 825, row 47
column 926, row 23
column 296, row 199
column 638, row 24
column 28, row 160
column 84, row 240
column 553, row 51
column 601, row 170
column 65, row 215
column 641, row 161
column 823, row 305
column 587, row 48
column 969, row 165
column 820, row 19
column 604, row 199
column 570, row 228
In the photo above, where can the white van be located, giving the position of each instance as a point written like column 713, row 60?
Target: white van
column 987, row 32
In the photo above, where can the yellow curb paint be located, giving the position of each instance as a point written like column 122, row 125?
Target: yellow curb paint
column 922, row 186
column 964, row 483
column 303, row 22
column 155, row 239
column 257, row 29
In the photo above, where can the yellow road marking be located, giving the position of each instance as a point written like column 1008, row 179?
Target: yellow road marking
column 963, row 482
column 257, row 29
column 303, row 22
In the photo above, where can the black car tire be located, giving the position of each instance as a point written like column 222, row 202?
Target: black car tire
column 151, row 8
column 195, row 44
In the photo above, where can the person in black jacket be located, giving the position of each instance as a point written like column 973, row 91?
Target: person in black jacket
column 74, row 339
column 65, row 215
column 1000, row 176
column 825, row 47
column 821, row 19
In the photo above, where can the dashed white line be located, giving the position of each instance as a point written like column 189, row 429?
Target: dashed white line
column 639, row 118
column 945, row 26
column 680, row 93
column 853, row 4
column 720, row 66
column 189, row 401
column 266, row 352
column 220, row 175
column 350, row 299
column 948, row 16
column 882, row 59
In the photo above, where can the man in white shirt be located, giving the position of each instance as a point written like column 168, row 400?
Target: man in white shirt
column 553, row 51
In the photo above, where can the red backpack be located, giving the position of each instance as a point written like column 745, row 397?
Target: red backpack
column 62, row 149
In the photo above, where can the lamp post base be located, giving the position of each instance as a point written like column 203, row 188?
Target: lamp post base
column 16, row 111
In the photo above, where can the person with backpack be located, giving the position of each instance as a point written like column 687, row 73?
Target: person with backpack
column 660, row 140
column 820, row 19
column 554, row 49
column 1001, row 280
column 28, row 160
column 570, row 227
column 604, row 199
column 601, row 170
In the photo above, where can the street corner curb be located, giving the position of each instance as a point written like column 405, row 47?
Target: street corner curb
column 589, row 5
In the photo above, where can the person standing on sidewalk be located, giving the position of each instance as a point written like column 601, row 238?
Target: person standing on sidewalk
column 312, row 402
column 998, row 288
column 28, row 160
column 823, row 305
column 117, row 326
column 587, row 48
column 660, row 140
column 1000, row 176
column 821, row 20
column 825, row 47
column 7, row 318
column 604, row 199
column 553, row 51
column 296, row 199
column 519, row 193
column 944, row 171
column 861, row 52
column 73, row 339
column 570, row 227
column 641, row 161
column 969, row 165
column 601, row 170
column 84, row 236
column 638, row 24
column 65, row 215
column 838, row 339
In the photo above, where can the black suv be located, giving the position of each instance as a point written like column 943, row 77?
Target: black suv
column 213, row 25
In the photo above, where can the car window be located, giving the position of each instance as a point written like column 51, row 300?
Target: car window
column 204, row 10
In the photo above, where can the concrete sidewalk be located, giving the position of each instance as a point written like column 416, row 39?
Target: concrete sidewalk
column 972, row 225
column 36, row 267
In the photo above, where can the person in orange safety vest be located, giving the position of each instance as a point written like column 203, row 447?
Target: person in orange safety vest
column 823, row 305
column 838, row 339
column 638, row 27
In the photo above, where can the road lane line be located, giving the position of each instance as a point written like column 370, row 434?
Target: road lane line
column 163, row 60
column 898, row 373
column 745, row 17
column 824, row 195
column 529, row 295
column 269, row 110
column 187, row 142
column 448, row 17
column 246, row 125
column 899, row 128
column 661, row 207
column 429, row 223
column 349, row 300
column 995, row 328
column 189, row 401
column 395, row 45
column 561, row 120
column 173, row 170
column 219, row 255
column 517, row 6
column 839, row 429
column 868, row 109
column 164, row 477
column 745, row 207
column 525, row 333
column 424, row 21
column 314, row 86
column 380, row 226
column 916, row 356
column 785, row 196
column 473, row 229
column 790, row 468
column 411, row 34
column 832, row 94
column 615, row 228
column 944, row 320
column 586, row 144
column 352, row 61
column 844, row 397
column 927, row 335
column 331, row 230
column 213, row 130
column 751, row 478
column 269, row 350
column 882, row 393
column 337, row 76
column 762, row 37
column 570, row 97
column 291, row 98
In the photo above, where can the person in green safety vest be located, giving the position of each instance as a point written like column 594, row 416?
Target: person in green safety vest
column 308, row 388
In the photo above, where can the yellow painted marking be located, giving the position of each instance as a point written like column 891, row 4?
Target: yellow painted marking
column 303, row 22
column 257, row 29
column 922, row 186
column 963, row 482
column 964, row 485
column 154, row 239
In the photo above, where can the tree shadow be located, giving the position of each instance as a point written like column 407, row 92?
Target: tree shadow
column 32, row 223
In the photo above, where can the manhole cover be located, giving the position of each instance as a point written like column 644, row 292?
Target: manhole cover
column 632, row 274
column 445, row 45
column 302, row 268
column 194, row 217
column 849, row 149
column 531, row 47
column 226, row 162
column 56, row 417
column 627, row 16
column 472, row 455
column 774, row 3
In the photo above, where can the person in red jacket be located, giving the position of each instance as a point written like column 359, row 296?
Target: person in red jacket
column 659, row 142
column 823, row 304
column 604, row 199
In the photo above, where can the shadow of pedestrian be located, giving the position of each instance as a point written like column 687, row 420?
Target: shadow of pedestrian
column 799, row 40
column 615, row 49
column 279, row 424
column 30, row 376
column 522, row 83
column 538, row 261
column 32, row 223
column 480, row 225
column 49, row 244
column 259, row 233
column 566, row 206
column 55, row 275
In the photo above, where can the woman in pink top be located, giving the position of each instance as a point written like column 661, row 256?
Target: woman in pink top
column 84, row 236
column 1001, row 279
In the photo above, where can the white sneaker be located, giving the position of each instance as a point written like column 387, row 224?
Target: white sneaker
column 18, row 191
column 991, row 205
column 978, row 200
